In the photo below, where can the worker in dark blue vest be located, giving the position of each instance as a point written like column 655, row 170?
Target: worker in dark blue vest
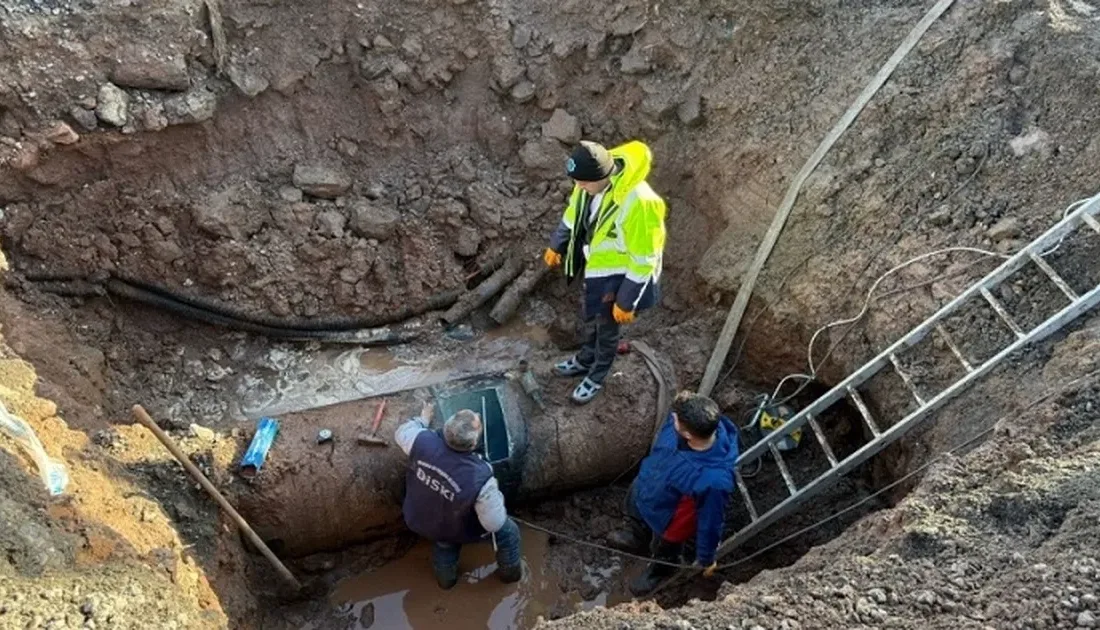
column 452, row 497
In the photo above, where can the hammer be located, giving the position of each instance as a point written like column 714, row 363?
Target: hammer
column 372, row 439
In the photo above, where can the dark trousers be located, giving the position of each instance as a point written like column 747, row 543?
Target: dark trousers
column 445, row 555
column 601, row 345
column 659, row 548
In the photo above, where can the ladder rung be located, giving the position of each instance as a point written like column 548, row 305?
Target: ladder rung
column 823, row 441
column 1092, row 222
column 906, row 379
column 997, row 306
column 864, row 411
column 1053, row 275
column 745, row 495
column 782, row 468
column 954, row 348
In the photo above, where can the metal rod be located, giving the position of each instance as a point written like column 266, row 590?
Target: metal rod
column 1053, row 275
column 954, row 347
column 1091, row 222
column 1002, row 313
column 143, row 417
column 908, row 380
column 783, row 468
column 745, row 495
column 823, row 441
column 864, row 411
column 485, row 428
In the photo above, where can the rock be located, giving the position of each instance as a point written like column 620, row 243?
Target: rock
column 628, row 23
column 1031, row 142
column 249, row 83
column 1086, row 620
column 965, row 165
column 467, row 241
column 495, row 133
column 1004, row 229
column 402, row 72
column 523, row 92
column 507, row 71
column 193, row 107
column 925, row 597
column 563, row 127
column 521, row 36
column 635, row 60
column 218, row 216
column 9, row 125
column 290, row 194
column 347, row 147
column 690, row 112
column 371, row 221
column 465, row 171
column 322, row 181
column 544, row 157
column 153, row 117
column 331, row 223
column 660, row 105
column 112, row 105
column 86, row 118
column 142, row 69
column 450, row 212
column 877, row 595
column 62, row 134
column 941, row 217
column 485, row 204
column 202, row 433
column 166, row 251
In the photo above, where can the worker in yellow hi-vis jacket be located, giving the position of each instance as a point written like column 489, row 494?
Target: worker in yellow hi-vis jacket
column 613, row 235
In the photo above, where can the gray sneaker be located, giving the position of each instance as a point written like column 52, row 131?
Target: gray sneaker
column 570, row 367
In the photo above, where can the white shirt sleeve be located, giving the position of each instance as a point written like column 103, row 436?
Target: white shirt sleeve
column 406, row 434
column 491, row 512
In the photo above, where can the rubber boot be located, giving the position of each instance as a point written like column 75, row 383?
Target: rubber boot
column 634, row 537
column 446, row 577
column 654, row 573
column 510, row 574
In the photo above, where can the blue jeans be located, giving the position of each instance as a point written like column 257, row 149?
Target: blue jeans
column 445, row 555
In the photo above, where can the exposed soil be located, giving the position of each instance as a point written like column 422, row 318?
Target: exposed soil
column 307, row 162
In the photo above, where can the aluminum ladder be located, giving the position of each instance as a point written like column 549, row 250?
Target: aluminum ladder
column 1084, row 216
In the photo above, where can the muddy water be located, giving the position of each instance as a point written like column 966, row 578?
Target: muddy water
column 403, row 594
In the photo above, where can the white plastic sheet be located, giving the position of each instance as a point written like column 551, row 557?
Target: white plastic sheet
column 51, row 471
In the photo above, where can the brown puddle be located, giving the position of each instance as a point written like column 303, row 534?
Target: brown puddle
column 403, row 593
column 518, row 329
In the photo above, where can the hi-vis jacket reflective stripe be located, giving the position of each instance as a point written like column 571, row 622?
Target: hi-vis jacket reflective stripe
column 626, row 240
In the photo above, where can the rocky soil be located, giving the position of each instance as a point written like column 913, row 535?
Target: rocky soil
column 307, row 161
column 998, row 537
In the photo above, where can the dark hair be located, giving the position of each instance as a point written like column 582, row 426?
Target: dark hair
column 697, row 414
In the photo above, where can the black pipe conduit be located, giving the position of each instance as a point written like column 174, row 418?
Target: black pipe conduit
column 382, row 336
column 436, row 302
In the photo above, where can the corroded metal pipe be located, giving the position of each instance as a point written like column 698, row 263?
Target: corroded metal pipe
column 313, row 497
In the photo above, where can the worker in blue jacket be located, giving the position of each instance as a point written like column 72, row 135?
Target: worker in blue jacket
column 682, row 489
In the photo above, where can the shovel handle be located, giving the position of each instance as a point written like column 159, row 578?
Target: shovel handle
column 378, row 417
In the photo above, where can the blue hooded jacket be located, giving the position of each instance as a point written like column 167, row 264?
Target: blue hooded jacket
column 672, row 470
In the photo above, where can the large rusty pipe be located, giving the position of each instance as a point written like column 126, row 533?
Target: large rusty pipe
column 313, row 497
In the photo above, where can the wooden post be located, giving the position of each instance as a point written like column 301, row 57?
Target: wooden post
column 143, row 418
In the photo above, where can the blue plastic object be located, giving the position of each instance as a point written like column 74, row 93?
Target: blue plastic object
column 257, row 451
